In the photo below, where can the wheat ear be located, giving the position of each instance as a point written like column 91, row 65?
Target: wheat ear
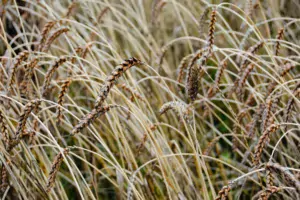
column 64, row 88
column 4, row 179
column 278, row 38
column 256, row 117
column 285, row 69
column 193, row 76
column 223, row 193
column 90, row 117
column 262, row 142
column 181, row 110
column 265, row 195
column 270, row 179
column 4, row 130
column 45, row 31
column 18, row 60
column 111, row 79
column 28, row 74
column 237, row 129
column 289, row 106
column 210, row 146
column 210, row 40
column 133, row 92
column 267, row 117
column 182, row 66
column 288, row 177
column 222, row 67
column 144, row 139
column 50, row 73
column 52, row 37
column 29, row 107
column 243, row 80
column 54, row 169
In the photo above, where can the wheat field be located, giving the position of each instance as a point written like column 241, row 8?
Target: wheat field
column 150, row 99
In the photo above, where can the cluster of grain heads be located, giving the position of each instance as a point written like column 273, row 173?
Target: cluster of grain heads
column 64, row 88
column 264, row 138
column 54, row 169
column 223, row 193
column 29, row 107
column 195, row 72
column 285, row 175
column 182, row 110
column 18, row 60
column 50, row 73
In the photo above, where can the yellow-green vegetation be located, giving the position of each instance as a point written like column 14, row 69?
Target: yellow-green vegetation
column 149, row 99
